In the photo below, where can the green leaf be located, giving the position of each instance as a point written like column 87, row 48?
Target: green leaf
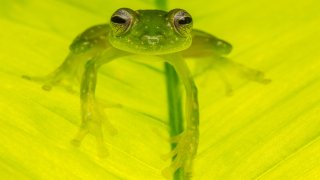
column 261, row 132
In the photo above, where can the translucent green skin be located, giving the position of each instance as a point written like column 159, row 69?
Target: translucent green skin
column 151, row 34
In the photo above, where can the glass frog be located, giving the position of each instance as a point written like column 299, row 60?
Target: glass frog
column 168, row 35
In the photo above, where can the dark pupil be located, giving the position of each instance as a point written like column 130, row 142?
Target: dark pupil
column 117, row 19
column 185, row 20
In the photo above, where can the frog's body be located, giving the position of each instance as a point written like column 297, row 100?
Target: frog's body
column 168, row 35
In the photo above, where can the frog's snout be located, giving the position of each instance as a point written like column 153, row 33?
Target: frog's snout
column 152, row 40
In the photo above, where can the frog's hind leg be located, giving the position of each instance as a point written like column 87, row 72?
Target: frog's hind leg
column 224, row 64
column 227, row 85
column 225, row 68
column 85, row 46
column 66, row 75
column 207, row 45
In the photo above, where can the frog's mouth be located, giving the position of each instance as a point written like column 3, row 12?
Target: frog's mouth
column 151, row 40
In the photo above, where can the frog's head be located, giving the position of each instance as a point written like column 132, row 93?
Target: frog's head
column 151, row 32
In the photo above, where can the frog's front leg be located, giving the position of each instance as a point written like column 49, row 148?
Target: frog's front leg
column 187, row 142
column 93, row 117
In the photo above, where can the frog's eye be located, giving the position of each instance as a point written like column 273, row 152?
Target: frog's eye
column 122, row 20
column 181, row 20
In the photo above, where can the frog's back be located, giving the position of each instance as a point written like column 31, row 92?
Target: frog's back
column 94, row 37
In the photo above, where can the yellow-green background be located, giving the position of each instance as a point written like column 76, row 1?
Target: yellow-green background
column 261, row 132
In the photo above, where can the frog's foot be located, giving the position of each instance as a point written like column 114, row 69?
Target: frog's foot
column 183, row 154
column 226, row 67
column 50, row 80
column 242, row 71
column 93, row 122
column 102, row 150
column 253, row 75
